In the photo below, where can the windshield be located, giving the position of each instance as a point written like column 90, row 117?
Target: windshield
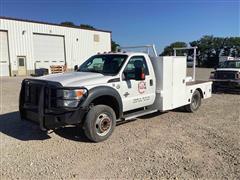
column 230, row 64
column 104, row 64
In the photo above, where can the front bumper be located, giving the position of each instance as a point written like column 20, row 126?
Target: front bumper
column 233, row 85
column 53, row 121
column 41, row 113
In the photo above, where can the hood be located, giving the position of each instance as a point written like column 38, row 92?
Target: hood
column 228, row 69
column 76, row 78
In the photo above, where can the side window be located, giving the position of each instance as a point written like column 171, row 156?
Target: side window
column 133, row 63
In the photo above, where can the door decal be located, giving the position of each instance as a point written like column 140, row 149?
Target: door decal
column 142, row 87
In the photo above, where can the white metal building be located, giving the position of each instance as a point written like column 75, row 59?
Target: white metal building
column 28, row 45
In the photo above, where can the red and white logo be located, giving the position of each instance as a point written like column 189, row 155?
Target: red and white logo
column 141, row 87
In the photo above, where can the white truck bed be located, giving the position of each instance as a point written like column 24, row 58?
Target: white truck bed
column 204, row 86
column 173, row 88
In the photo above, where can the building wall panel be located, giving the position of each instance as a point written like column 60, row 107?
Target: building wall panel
column 79, row 43
column 4, row 55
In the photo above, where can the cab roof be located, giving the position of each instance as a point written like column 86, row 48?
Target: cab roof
column 123, row 53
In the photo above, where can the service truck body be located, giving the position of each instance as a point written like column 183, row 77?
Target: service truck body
column 98, row 98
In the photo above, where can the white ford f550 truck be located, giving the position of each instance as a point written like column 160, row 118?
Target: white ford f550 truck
column 108, row 88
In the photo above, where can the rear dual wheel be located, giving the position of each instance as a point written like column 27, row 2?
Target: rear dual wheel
column 196, row 101
column 99, row 123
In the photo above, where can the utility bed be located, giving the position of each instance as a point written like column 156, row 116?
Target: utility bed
column 190, row 83
column 173, row 88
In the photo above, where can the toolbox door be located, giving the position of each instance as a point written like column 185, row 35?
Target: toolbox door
column 179, row 82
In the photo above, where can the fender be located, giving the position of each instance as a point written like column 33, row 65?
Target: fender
column 103, row 91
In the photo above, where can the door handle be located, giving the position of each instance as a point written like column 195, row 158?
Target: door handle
column 126, row 94
column 151, row 82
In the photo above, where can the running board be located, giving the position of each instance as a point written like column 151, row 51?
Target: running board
column 138, row 114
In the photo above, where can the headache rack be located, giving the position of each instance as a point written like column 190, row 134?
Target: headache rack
column 194, row 58
column 148, row 49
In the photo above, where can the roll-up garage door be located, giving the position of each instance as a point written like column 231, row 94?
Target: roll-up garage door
column 48, row 50
column 4, row 56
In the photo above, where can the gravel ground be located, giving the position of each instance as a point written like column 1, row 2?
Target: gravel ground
column 175, row 144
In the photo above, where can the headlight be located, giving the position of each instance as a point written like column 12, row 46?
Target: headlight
column 212, row 75
column 238, row 75
column 70, row 98
column 72, row 94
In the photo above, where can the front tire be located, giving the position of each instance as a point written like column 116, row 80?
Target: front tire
column 99, row 123
column 195, row 102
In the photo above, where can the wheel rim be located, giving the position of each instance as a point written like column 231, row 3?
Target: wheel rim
column 103, row 124
column 195, row 101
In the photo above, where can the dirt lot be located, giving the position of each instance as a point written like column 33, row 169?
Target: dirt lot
column 175, row 144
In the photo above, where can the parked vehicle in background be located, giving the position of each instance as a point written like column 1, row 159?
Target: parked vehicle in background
column 222, row 59
column 111, row 87
column 226, row 76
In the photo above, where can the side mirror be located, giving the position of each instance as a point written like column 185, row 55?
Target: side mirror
column 123, row 76
column 75, row 67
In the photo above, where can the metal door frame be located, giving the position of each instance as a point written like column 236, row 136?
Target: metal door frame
column 9, row 62
column 25, row 63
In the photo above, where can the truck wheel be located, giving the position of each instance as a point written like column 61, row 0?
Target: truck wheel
column 195, row 102
column 99, row 123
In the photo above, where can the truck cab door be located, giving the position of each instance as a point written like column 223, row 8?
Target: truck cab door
column 137, row 93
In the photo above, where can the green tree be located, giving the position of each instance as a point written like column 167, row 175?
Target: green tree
column 225, row 51
column 210, row 48
column 234, row 52
column 114, row 46
column 234, row 44
column 68, row 23
column 86, row 26
column 168, row 50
